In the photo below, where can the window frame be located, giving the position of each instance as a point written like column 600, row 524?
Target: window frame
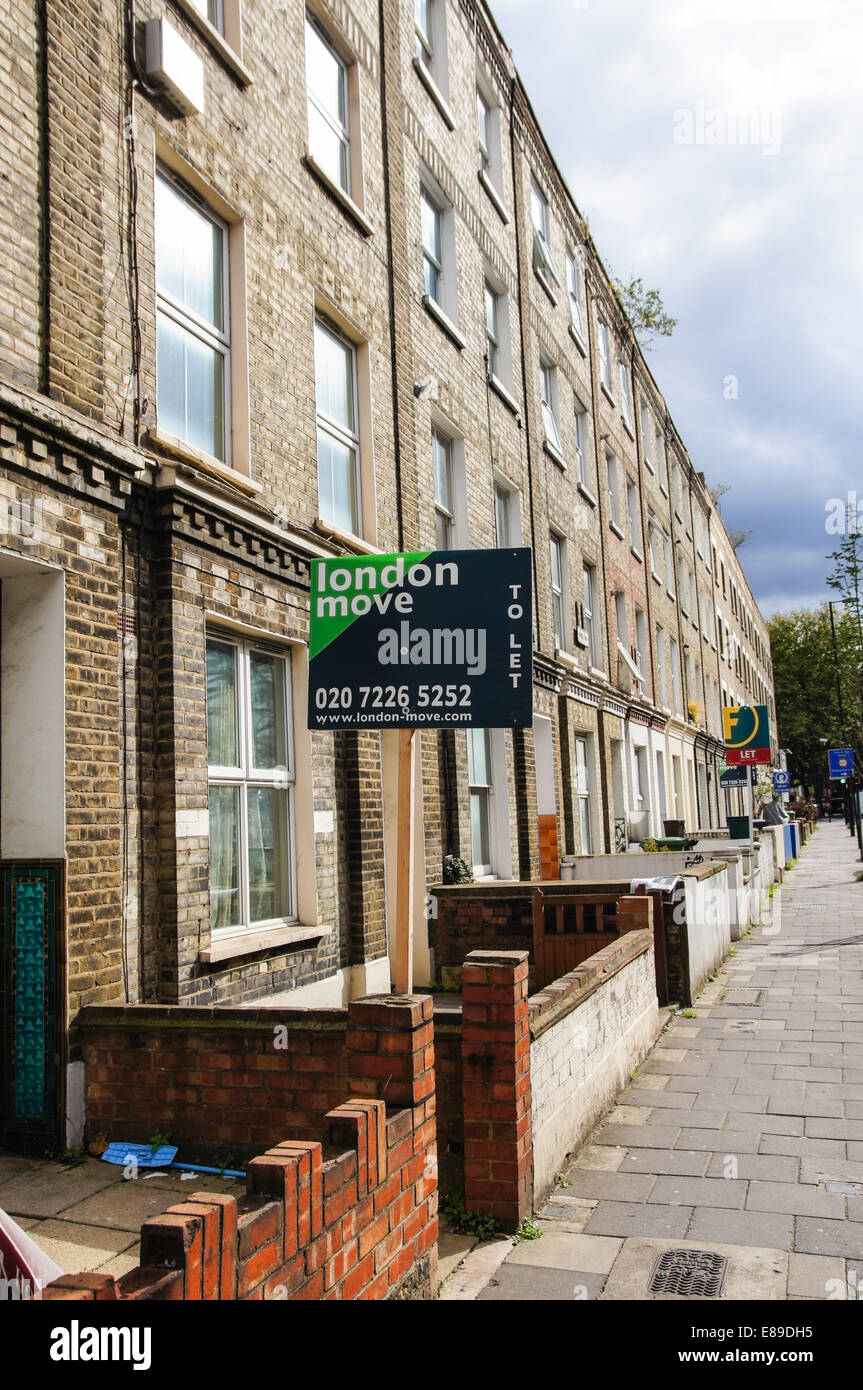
column 625, row 397
column 612, row 490
column 633, row 509
column 191, row 323
column 244, row 775
column 559, row 594
column 582, row 792
column 549, row 407
column 603, row 348
column 444, row 515
column 512, row 509
column 573, row 291
column 591, row 615
column 335, row 429
column 581, row 456
column 543, row 261
column 347, row 69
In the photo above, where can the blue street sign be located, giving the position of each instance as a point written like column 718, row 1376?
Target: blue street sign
column 781, row 781
column 841, row 762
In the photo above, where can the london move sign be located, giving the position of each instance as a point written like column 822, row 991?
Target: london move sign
column 432, row 640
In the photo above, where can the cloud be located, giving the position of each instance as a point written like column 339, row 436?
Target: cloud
column 756, row 254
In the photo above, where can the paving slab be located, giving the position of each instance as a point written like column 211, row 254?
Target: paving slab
column 685, row 1162
column 635, row 1136
column 695, row 1192
column 636, row 1218
column 816, row 1236
column 793, row 1198
column 531, row 1284
column 722, row 1141
column 770, row 1167
column 814, row 1276
column 770, row 1230
column 79, row 1249
column 595, row 1254
column 48, row 1188
column 607, row 1157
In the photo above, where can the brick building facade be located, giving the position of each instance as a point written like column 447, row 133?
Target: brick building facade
column 276, row 283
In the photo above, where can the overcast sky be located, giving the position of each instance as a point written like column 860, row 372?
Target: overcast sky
column 756, row 245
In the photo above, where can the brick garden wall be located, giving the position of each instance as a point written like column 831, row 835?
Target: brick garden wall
column 350, row 1215
column 213, row 1079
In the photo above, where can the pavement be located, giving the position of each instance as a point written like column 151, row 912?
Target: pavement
column 87, row 1217
column 741, row 1134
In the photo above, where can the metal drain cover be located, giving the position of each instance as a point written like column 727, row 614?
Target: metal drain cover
column 690, row 1273
column 808, row 907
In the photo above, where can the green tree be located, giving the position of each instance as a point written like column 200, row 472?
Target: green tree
column 644, row 309
column 804, row 677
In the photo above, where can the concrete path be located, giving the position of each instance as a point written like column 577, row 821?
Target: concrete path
column 88, row 1217
column 742, row 1132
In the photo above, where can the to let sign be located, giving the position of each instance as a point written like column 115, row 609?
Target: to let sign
column 427, row 640
column 747, row 735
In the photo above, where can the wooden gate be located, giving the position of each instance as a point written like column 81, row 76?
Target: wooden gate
column 568, row 928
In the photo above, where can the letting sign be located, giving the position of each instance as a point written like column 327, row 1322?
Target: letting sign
column 428, row 640
column 747, row 735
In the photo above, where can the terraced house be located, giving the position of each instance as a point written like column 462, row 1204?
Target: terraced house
column 282, row 281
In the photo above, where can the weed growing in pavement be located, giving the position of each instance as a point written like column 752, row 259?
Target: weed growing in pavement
column 73, row 1158
column 688, row 1013
column 158, row 1139
column 527, row 1230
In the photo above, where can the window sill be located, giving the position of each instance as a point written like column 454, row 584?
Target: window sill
column 493, row 195
column 338, row 194
column 663, row 489
column 672, row 595
column 444, row 321
column 554, row 453
column 337, row 533
column 509, row 401
column 207, row 463
column 434, row 91
column 605, row 391
column 578, row 340
column 587, row 494
column 546, row 286
column 566, row 658
column 616, row 529
column 649, row 466
column 228, row 55
column 595, row 671
column 627, row 426
column 637, row 553
column 251, row 942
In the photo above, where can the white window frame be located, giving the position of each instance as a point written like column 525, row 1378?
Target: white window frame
column 646, row 438
column 582, row 792
column 581, row 455
column 588, row 575
column 245, row 776
column 603, row 347
column 181, row 316
column 500, row 374
column 543, row 262
column 634, row 513
column 445, row 516
column 548, row 401
column 668, row 556
column 661, row 667
column 641, row 640
column 350, row 439
column 498, row 863
column 430, row 54
column 661, row 461
column 341, row 129
column 573, row 289
column 625, row 397
column 612, row 489
column 559, row 591
column 443, row 258
column 507, row 514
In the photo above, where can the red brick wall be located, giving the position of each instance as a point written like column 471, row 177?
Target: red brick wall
column 214, row 1079
column 353, row 1215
